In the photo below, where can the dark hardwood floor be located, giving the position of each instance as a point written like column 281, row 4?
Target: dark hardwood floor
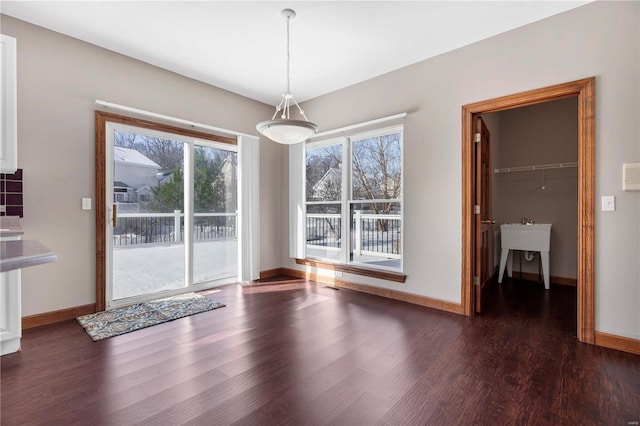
column 293, row 352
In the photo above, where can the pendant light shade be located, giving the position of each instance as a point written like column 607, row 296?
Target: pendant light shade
column 285, row 130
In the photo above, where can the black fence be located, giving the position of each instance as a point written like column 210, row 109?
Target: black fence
column 380, row 235
column 372, row 234
column 138, row 229
column 323, row 231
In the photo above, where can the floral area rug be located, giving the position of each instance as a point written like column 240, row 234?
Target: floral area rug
column 115, row 322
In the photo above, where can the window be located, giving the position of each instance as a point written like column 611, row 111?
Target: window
column 324, row 199
column 353, row 199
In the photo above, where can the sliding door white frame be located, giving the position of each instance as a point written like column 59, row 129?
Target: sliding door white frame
column 248, row 200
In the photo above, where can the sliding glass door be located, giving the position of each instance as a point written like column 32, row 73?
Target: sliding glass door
column 215, row 203
column 173, row 222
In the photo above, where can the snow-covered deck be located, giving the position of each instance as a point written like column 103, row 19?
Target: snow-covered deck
column 144, row 269
column 333, row 254
column 150, row 268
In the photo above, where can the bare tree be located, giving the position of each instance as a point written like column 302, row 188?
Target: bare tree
column 168, row 154
column 124, row 139
column 377, row 173
column 376, row 167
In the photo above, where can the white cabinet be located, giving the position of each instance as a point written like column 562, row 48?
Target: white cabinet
column 10, row 309
column 8, row 105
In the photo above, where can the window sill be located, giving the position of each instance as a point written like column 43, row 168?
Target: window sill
column 373, row 273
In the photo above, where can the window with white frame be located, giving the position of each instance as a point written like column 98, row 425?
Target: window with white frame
column 324, row 199
column 353, row 199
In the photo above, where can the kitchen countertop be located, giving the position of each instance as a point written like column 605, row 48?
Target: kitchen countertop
column 24, row 253
column 10, row 226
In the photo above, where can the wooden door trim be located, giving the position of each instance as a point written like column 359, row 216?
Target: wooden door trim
column 585, row 91
column 482, row 149
column 101, row 212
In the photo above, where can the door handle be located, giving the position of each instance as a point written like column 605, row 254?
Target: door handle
column 114, row 215
column 488, row 222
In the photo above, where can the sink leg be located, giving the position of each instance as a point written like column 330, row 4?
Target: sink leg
column 544, row 255
column 503, row 261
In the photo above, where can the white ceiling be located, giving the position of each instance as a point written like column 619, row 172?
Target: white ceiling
column 241, row 46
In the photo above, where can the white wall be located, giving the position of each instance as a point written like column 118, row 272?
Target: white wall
column 59, row 79
column 601, row 39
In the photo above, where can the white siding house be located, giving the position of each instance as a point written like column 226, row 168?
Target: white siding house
column 135, row 175
column 134, row 169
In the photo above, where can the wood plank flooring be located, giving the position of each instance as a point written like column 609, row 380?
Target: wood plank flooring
column 295, row 352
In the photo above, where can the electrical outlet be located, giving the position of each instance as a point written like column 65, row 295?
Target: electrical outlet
column 86, row 204
column 608, row 203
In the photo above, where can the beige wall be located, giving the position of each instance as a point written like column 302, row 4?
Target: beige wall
column 545, row 133
column 600, row 39
column 59, row 78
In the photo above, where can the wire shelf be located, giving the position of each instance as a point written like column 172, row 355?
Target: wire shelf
column 536, row 167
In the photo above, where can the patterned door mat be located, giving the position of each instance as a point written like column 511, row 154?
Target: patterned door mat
column 115, row 322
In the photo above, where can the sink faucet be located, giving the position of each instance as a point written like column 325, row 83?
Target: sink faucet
column 526, row 221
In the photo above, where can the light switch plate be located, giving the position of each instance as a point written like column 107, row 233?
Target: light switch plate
column 608, row 203
column 86, row 204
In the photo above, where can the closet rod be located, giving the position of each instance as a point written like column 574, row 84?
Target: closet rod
column 538, row 167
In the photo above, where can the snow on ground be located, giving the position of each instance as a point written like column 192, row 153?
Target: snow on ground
column 145, row 269
column 333, row 254
column 148, row 269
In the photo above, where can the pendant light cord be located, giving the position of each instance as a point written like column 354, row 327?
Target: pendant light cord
column 287, row 98
column 288, row 59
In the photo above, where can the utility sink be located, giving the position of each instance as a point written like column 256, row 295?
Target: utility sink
column 534, row 237
column 529, row 237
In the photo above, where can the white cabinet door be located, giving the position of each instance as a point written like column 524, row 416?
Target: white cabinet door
column 10, row 309
column 8, row 105
column 10, row 318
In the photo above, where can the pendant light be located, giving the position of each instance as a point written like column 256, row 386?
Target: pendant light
column 284, row 129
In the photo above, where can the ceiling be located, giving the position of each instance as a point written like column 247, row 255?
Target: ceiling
column 240, row 46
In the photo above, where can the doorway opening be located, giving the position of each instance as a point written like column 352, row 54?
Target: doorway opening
column 584, row 90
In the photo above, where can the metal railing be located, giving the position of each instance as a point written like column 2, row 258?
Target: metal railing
column 323, row 229
column 156, row 228
column 373, row 234
column 377, row 234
